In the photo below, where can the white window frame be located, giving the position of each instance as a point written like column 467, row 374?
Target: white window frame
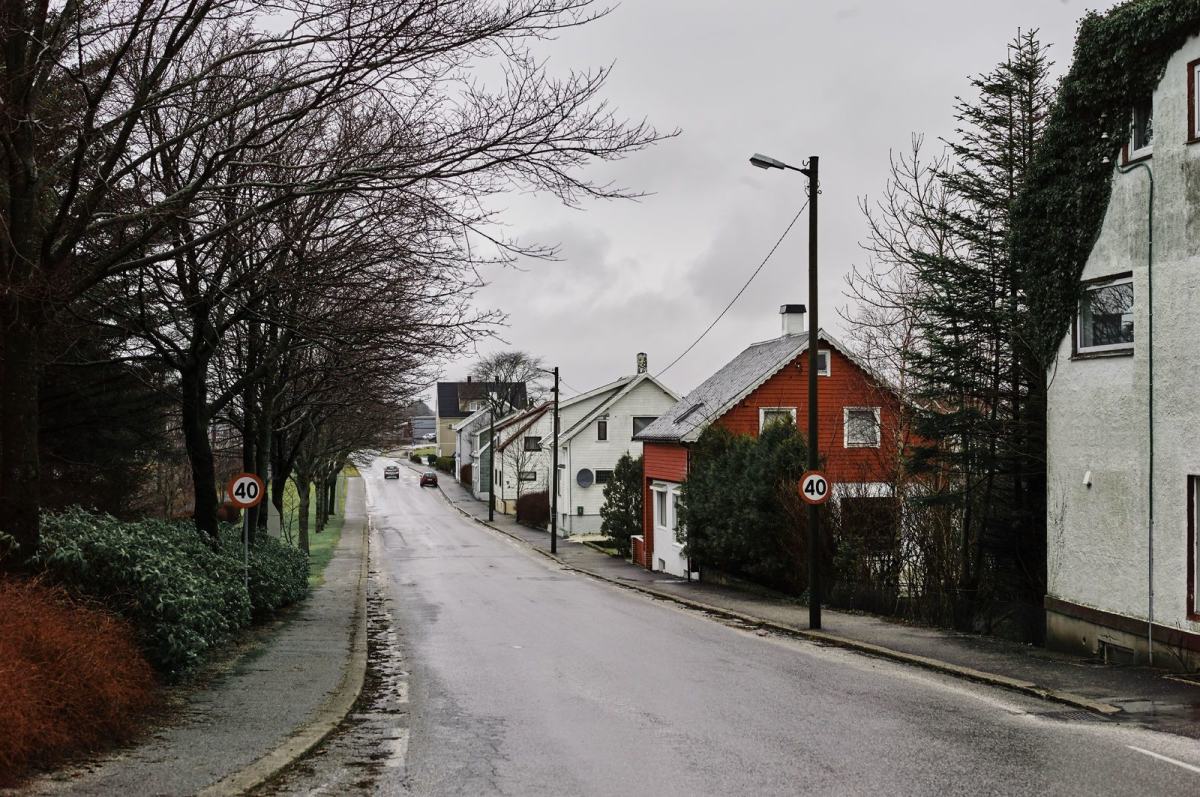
column 1136, row 153
column 598, row 471
column 828, row 369
column 599, row 437
column 762, row 414
column 634, row 419
column 537, row 445
column 846, row 428
column 1095, row 286
column 527, row 475
column 1194, row 100
column 661, row 502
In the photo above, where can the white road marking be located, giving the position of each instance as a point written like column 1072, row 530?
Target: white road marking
column 1160, row 757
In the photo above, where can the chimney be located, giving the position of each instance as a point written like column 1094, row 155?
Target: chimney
column 793, row 319
column 642, row 363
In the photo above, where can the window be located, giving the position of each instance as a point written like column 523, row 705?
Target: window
column 640, row 422
column 527, row 476
column 533, row 443
column 1141, row 142
column 601, row 430
column 675, row 524
column 1193, row 571
column 823, row 362
column 660, row 508
column 861, row 427
column 603, row 476
column 770, row 415
column 1105, row 321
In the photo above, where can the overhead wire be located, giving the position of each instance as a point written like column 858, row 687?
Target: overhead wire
column 742, row 290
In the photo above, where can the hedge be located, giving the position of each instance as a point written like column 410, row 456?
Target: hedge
column 182, row 596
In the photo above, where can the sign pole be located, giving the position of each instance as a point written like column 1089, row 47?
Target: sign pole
column 246, row 547
column 245, row 491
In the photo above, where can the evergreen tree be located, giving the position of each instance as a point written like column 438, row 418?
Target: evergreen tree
column 621, row 515
column 983, row 392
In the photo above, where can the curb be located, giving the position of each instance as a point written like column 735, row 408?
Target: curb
column 328, row 717
column 823, row 637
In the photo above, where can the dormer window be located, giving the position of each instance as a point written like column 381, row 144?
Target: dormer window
column 1141, row 142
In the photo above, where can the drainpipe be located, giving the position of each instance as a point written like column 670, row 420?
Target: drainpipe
column 1150, row 402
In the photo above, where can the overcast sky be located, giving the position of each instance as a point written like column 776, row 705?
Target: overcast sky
column 848, row 81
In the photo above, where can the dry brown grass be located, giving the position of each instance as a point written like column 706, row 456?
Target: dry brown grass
column 72, row 678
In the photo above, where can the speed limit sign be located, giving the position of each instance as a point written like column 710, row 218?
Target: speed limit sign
column 814, row 487
column 245, row 490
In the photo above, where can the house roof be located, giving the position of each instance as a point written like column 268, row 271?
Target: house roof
column 630, row 384
column 453, row 397
column 463, row 424
column 738, row 378
column 522, row 422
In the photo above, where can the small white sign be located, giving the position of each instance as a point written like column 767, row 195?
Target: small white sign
column 245, row 490
column 814, row 487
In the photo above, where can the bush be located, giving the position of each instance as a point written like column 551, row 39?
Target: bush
column 278, row 571
column 445, row 465
column 738, row 506
column 72, row 673
column 431, row 459
column 414, row 457
column 533, row 509
column 183, row 597
column 621, row 515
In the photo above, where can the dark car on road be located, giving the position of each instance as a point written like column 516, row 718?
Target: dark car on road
column 391, row 472
column 429, row 479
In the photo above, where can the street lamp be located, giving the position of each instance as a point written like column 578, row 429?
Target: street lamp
column 809, row 170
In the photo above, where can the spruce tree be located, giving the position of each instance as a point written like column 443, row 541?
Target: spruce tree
column 983, row 394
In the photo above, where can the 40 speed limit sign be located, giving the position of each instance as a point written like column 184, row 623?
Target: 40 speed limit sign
column 814, row 487
column 245, row 490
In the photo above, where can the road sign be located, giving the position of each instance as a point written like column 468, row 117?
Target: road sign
column 814, row 487
column 245, row 490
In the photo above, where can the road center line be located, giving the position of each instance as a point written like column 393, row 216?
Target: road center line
column 1160, row 757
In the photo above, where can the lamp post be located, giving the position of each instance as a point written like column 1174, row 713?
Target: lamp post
column 809, row 170
column 553, row 486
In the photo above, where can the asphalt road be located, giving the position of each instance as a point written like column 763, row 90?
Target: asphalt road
column 496, row 672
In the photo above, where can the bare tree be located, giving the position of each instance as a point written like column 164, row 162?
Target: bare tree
column 111, row 109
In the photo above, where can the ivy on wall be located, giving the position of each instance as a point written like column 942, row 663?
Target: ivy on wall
column 1120, row 56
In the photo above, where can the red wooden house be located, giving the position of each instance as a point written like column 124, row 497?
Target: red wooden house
column 858, row 417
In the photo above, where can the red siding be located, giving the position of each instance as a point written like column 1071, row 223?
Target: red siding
column 846, row 386
column 667, row 462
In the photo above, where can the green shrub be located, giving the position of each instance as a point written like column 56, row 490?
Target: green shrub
column 414, row 457
column 621, row 515
column 431, row 459
column 278, row 571
column 183, row 597
column 739, row 505
column 445, row 465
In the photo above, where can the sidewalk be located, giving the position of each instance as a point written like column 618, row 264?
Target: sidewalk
column 1152, row 698
column 262, row 708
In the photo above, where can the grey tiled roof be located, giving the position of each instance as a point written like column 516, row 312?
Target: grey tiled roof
column 697, row 409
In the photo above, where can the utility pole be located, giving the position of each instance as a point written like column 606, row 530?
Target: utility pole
column 554, row 471
column 814, row 511
column 492, row 462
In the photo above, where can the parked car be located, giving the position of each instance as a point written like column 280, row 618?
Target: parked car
column 429, row 436
column 429, row 478
column 391, row 472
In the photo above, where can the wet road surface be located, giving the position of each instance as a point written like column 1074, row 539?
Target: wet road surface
column 492, row 671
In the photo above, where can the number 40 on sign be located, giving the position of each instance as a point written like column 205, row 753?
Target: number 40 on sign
column 814, row 487
column 245, row 490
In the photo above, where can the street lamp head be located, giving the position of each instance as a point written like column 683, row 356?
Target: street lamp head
column 765, row 162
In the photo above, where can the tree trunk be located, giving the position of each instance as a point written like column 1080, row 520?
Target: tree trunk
column 194, row 411
column 333, row 495
column 302, row 488
column 279, row 477
column 261, row 459
column 321, row 496
column 20, row 499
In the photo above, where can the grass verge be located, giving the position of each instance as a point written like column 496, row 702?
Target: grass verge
column 320, row 546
